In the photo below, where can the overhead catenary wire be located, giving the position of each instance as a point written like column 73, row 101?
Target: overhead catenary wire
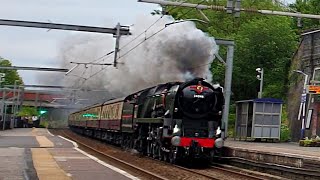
column 92, row 75
column 144, row 31
column 77, row 82
column 105, row 55
column 190, row 9
column 86, row 66
column 91, row 62
column 152, row 34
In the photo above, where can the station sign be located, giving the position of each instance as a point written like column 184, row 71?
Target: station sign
column 313, row 89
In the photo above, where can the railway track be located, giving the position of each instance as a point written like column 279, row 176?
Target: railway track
column 213, row 172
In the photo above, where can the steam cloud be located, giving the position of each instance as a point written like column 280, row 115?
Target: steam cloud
column 177, row 53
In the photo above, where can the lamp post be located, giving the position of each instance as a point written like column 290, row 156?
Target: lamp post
column 15, row 108
column 260, row 78
column 302, row 109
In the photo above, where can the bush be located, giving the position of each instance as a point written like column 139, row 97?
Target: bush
column 44, row 124
column 231, row 121
column 314, row 142
column 284, row 133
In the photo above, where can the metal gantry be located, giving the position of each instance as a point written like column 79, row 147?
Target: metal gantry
column 118, row 31
column 69, row 27
column 15, row 98
column 232, row 7
column 33, row 68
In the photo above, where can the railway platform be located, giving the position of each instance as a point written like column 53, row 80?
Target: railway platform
column 34, row 153
column 280, row 158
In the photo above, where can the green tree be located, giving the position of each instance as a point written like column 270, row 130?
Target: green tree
column 10, row 75
column 28, row 111
column 268, row 43
column 261, row 41
column 308, row 7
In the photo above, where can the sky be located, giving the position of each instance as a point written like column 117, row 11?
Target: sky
column 40, row 47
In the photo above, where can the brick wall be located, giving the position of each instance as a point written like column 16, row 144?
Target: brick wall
column 306, row 58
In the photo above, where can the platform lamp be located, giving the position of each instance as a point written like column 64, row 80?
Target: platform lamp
column 260, row 78
column 302, row 109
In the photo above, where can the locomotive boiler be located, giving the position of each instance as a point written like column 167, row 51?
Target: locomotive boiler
column 175, row 121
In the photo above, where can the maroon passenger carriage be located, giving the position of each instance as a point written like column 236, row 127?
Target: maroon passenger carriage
column 173, row 121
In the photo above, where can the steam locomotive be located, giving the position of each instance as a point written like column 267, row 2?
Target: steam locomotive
column 174, row 122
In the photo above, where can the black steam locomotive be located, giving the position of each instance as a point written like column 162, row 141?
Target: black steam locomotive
column 173, row 121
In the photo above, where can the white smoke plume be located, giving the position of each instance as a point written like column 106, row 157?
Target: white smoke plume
column 177, row 53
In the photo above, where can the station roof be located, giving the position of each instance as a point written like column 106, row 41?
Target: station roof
column 263, row 100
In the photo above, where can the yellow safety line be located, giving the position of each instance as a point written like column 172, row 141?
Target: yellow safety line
column 46, row 166
column 44, row 141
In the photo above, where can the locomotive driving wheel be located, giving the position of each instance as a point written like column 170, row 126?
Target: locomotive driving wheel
column 173, row 156
column 160, row 154
column 165, row 156
column 149, row 149
column 154, row 151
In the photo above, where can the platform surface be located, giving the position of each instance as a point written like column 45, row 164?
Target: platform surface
column 277, row 148
column 34, row 153
column 284, row 155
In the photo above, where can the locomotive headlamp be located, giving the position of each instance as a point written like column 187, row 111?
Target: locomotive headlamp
column 219, row 143
column 218, row 131
column 175, row 141
column 176, row 130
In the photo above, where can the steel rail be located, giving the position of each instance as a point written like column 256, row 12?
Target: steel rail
column 220, row 169
column 232, row 172
column 196, row 172
column 237, row 173
column 217, row 168
column 212, row 167
column 150, row 174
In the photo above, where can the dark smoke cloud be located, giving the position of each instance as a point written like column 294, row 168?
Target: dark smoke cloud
column 178, row 52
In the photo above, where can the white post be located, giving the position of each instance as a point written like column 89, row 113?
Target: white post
column 227, row 89
column 2, row 109
column 260, row 78
column 304, row 97
column 302, row 109
column 261, row 83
